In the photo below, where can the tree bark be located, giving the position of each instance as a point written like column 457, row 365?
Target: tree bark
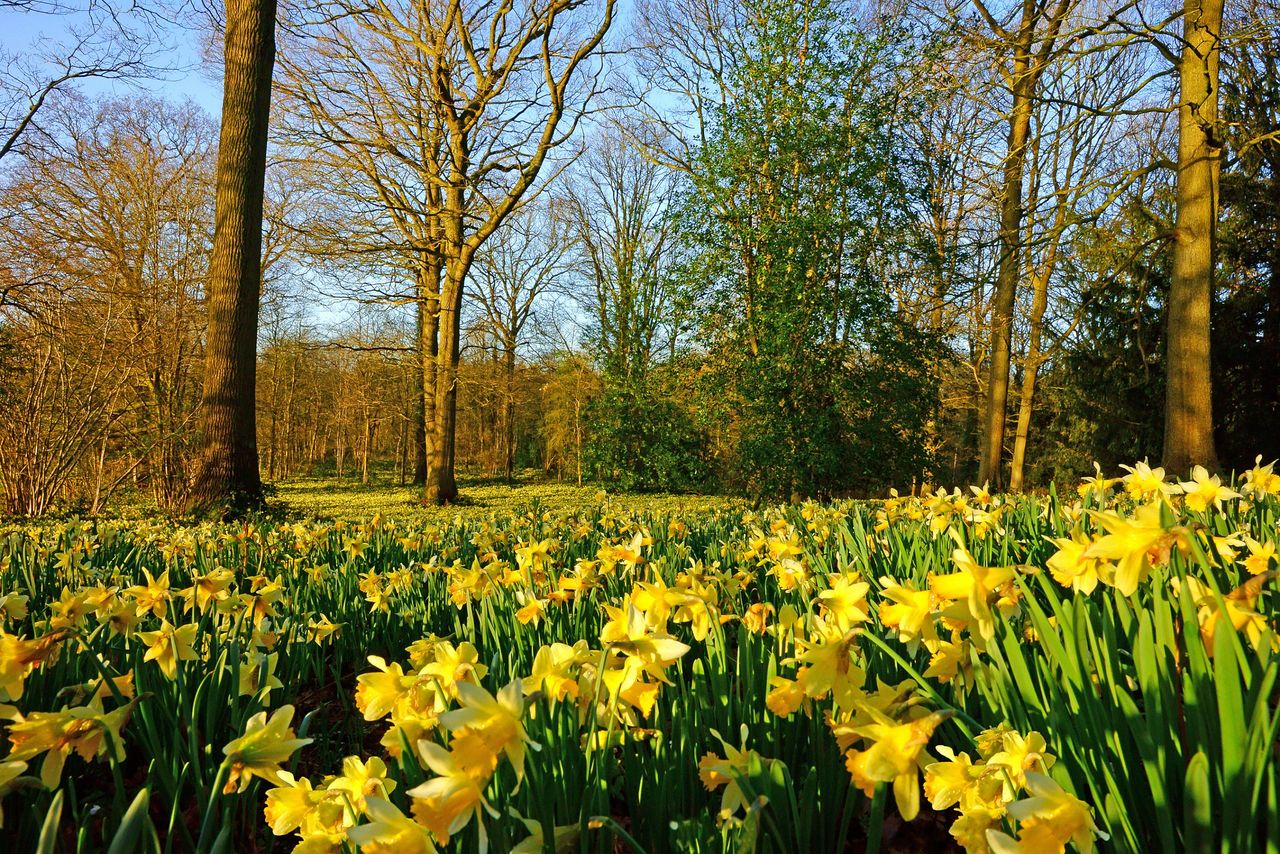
column 509, row 411
column 1188, row 430
column 1030, row 371
column 428, row 319
column 441, row 486
column 989, row 461
column 228, row 479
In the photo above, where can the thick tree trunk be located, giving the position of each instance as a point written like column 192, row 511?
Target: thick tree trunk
column 428, row 318
column 441, row 487
column 1188, row 430
column 228, row 479
column 989, row 461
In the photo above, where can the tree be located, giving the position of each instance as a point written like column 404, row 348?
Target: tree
column 796, row 184
column 1084, row 154
column 108, row 223
column 1026, row 43
column 1246, row 321
column 1188, row 414
column 228, row 478
column 625, row 226
column 517, row 268
column 506, row 88
column 100, row 39
column 360, row 118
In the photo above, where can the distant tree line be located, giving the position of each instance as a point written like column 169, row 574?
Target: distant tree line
column 773, row 248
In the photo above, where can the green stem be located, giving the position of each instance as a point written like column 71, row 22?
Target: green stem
column 207, row 824
column 875, row 826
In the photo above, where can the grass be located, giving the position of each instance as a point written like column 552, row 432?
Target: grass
column 348, row 499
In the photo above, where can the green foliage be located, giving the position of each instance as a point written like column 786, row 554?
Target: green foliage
column 795, row 190
column 1105, row 394
column 641, row 441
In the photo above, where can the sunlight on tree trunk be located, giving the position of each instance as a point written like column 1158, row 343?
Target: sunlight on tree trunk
column 1188, row 436
column 228, row 478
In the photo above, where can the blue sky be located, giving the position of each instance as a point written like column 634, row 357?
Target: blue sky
column 27, row 34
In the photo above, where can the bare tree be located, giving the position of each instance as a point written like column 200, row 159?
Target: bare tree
column 520, row 266
column 625, row 233
column 1025, row 42
column 102, row 39
column 508, row 86
column 108, row 223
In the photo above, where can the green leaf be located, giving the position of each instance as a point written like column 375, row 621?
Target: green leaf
column 1197, row 817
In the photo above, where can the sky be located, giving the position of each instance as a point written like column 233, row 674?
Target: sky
column 29, row 34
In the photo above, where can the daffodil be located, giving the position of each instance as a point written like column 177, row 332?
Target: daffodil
column 845, row 601
column 447, row 802
column 86, row 730
column 563, row 840
column 895, row 755
column 1047, row 821
column 258, row 674
column 715, row 771
column 974, row 587
column 909, row 611
column 959, row 781
column 168, row 645
column 497, row 720
column 18, row 657
column 1143, row 482
column 1203, row 491
column 266, row 744
column 361, row 780
column 320, row 631
column 153, row 596
column 13, row 606
column 389, row 831
column 1018, row 756
column 627, row 633
column 378, row 693
column 1072, row 566
column 1134, row 544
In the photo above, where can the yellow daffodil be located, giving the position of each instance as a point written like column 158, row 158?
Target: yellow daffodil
column 1072, row 566
column 389, row 831
column 497, row 720
column 168, row 645
column 86, row 730
column 266, row 744
column 1047, row 821
column 1203, row 491
column 361, row 780
column 715, row 771
column 1134, row 544
column 909, row 612
column 895, row 755
column 447, row 802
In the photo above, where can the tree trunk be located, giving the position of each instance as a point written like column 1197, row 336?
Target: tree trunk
column 441, row 487
column 428, row 319
column 989, row 461
column 1030, row 369
column 509, row 412
column 1188, row 429
column 228, row 479
column 1271, row 336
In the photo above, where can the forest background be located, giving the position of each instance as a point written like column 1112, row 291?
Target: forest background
column 774, row 248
